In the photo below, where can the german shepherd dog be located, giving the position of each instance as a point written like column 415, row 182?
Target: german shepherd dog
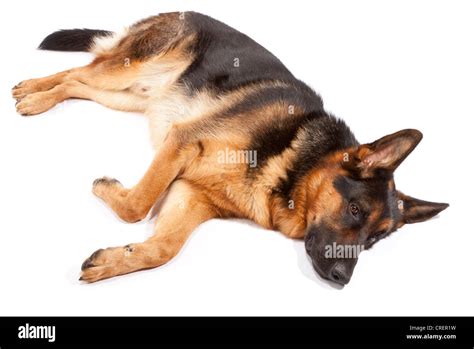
column 236, row 135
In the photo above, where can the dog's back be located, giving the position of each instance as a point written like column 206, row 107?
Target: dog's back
column 188, row 65
column 225, row 59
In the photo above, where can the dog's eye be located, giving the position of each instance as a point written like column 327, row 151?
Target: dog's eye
column 354, row 209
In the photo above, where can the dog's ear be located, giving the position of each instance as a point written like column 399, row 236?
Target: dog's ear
column 416, row 210
column 387, row 153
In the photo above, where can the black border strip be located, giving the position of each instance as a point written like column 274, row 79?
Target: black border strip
column 339, row 331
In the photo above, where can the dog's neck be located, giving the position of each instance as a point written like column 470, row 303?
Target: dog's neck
column 315, row 141
column 289, row 215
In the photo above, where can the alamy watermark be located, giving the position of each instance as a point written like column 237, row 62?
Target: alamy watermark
column 342, row 251
column 37, row 332
column 241, row 156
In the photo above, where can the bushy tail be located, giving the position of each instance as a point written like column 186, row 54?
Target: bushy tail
column 72, row 39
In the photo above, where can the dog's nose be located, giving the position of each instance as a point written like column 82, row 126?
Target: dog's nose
column 340, row 274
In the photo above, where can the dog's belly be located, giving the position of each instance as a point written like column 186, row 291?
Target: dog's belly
column 171, row 106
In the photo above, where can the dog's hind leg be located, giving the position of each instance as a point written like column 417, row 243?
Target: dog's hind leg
column 111, row 71
column 184, row 208
column 134, row 82
column 97, row 81
column 40, row 102
column 147, row 60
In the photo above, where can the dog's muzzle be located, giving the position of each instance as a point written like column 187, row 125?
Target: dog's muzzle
column 327, row 264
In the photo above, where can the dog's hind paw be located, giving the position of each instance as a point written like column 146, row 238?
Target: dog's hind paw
column 35, row 103
column 19, row 92
column 24, row 88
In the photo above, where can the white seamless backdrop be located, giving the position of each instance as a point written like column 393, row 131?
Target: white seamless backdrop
column 381, row 66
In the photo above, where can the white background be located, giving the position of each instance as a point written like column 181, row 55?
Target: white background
column 381, row 67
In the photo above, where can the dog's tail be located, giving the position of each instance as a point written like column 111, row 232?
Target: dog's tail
column 73, row 40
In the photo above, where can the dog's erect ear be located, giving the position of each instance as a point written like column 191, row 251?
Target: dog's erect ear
column 387, row 153
column 416, row 210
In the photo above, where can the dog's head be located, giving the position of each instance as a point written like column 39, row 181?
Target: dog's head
column 353, row 203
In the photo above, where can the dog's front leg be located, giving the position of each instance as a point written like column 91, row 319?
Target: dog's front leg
column 132, row 205
column 184, row 208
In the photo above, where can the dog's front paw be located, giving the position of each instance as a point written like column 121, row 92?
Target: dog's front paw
column 104, row 185
column 106, row 263
column 95, row 267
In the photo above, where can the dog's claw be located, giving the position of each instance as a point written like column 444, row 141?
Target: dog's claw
column 105, row 180
column 17, row 85
column 101, row 185
column 88, row 263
